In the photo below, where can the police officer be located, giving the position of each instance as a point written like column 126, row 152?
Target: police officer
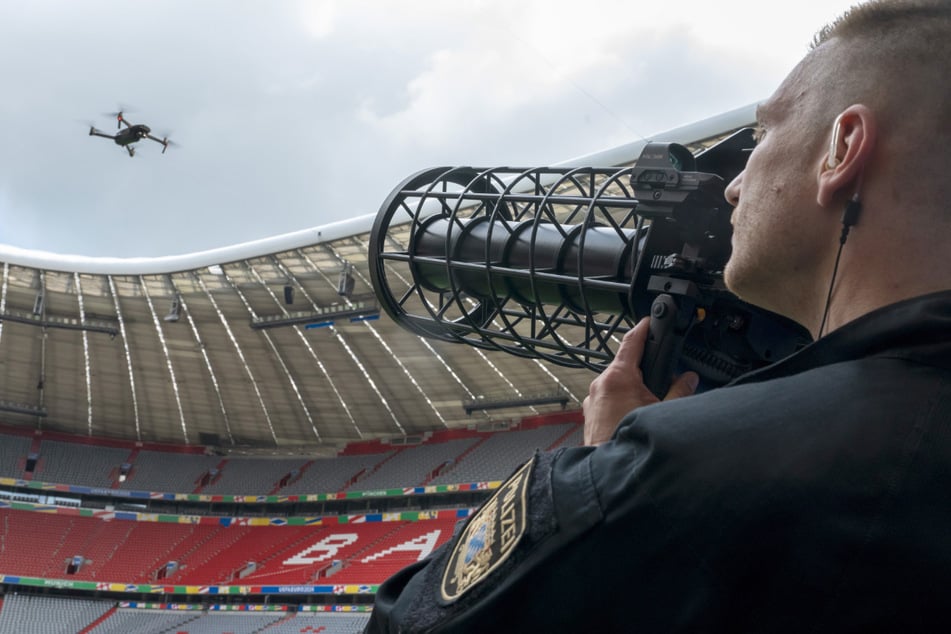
column 810, row 495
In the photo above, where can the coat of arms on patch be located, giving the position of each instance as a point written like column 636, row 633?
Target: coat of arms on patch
column 489, row 538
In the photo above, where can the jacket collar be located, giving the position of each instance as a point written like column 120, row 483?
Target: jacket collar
column 918, row 329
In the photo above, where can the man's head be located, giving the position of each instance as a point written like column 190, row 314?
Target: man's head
column 867, row 112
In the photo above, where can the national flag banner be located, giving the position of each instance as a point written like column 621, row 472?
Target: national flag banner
column 204, row 589
column 102, row 586
column 340, row 589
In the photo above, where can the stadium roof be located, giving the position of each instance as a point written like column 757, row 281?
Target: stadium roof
column 90, row 345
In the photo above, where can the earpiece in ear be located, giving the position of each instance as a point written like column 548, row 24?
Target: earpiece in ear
column 833, row 160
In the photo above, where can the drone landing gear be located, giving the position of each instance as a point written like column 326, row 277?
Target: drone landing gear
column 130, row 150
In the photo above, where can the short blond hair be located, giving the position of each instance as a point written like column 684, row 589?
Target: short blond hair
column 894, row 56
column 910, row 20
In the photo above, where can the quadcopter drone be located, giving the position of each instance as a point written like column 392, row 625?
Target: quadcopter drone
column 132, row 133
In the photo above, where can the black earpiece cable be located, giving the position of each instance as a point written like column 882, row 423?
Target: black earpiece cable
column 849, row 217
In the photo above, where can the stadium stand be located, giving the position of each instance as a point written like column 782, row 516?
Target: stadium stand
column 35, row 614
column 232, row 622
column 168, row 472
column 444, row 459
column 91, row 466
column 252, row 476
column 316, row 623
column 412, row 465
column 13, row 452
column 408, row 544
column 144, row 622
column 147, row 621
column 135, row 552
column 500, row 454
column 109, row 548
column 328, row 475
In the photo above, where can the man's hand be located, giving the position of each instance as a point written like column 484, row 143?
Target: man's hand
column 620, row 388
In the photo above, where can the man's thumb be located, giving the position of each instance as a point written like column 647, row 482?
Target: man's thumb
column 683, row 385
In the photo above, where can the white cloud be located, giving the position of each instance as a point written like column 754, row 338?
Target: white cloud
column 318, row 17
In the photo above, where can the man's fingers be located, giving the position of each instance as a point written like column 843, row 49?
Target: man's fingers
column 632, row 345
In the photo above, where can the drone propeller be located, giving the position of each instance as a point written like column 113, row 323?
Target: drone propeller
column 93, row 130
column 167, row 142
column 119, row 115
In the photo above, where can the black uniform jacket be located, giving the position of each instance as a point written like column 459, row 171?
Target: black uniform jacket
column 811, row 496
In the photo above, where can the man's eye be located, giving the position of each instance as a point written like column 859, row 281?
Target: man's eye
column 758, row 133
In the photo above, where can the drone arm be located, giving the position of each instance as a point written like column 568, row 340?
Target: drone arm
column 95, row 132
column 164, row 142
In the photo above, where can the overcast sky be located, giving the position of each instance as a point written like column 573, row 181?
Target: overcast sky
column 290, row 115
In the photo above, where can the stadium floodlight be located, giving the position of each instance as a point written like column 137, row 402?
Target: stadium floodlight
column 65, row 323
column 324, row 315
column 21, row 408
column 174, row 312
column 527, row 401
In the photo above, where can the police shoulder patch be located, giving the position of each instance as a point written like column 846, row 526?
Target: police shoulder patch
column 489, row 538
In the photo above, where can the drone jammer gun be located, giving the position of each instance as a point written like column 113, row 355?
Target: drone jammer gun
column 558, row 263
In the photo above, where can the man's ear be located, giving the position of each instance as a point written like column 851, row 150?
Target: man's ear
column 851, row 142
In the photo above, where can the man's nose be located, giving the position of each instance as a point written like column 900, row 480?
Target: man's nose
column 732, row 191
